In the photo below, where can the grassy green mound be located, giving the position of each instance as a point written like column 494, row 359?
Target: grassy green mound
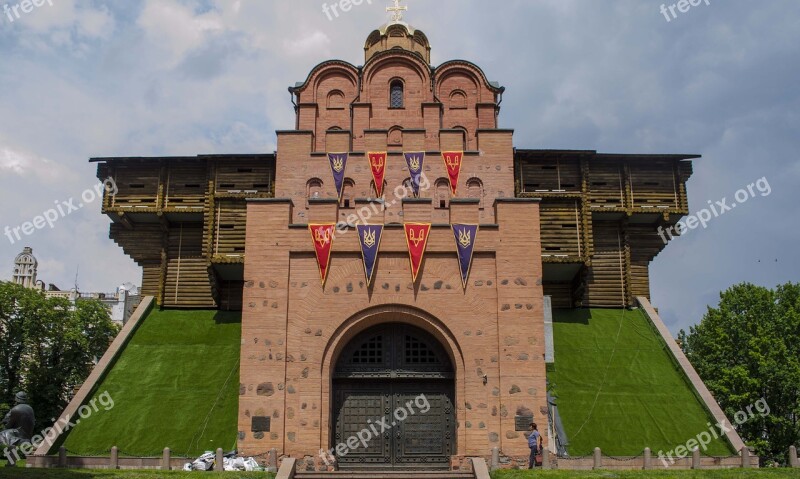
column 175, row 385
column 618, row 388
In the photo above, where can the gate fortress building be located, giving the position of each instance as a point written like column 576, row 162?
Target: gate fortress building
column 319, row 363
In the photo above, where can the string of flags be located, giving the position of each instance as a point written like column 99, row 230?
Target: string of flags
column 453, row 161
column 369, row 236
column 417, row 234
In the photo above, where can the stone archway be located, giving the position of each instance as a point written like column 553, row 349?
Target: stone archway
column 394, row 377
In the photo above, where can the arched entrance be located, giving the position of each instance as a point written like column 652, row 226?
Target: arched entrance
column 393, row 387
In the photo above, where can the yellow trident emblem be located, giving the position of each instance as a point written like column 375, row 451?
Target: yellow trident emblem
column 322, row 238
column 416, row 239
column 369, row 238
column 453, row 161
column 378, row 162
column 465, row 238
column 338, row 164
column 415, row 163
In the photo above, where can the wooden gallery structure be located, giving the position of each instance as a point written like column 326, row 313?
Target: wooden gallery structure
column 183, row 220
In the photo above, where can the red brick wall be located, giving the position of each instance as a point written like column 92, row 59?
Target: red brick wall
column 293, row 327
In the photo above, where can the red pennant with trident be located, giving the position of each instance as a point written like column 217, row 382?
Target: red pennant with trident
column 453, row 161
column 417, row 239
column 322, row 236
column 377, row 163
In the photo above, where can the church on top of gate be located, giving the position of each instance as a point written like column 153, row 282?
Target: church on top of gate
column 397, row 246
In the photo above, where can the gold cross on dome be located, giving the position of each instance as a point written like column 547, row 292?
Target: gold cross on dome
column 397, row 11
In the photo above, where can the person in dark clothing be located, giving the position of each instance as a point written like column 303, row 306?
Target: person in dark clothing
column 19, row 423
column 535, row 443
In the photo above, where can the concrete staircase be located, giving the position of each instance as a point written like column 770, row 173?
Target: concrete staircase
column 288, row 470
column 385, row 475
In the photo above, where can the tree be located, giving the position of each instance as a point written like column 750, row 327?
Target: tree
column 748, row 349
column 47, row 346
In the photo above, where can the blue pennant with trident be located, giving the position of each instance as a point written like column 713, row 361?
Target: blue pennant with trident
column 465, row 244
column 370, row 238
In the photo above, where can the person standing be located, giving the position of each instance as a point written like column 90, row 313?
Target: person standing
column 535, row 443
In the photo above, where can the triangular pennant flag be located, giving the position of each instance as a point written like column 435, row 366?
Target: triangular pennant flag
column 465, row 236
column 417, row 239
column 338, row 166
column 377, row 163
column 322, row 236
column 370, row 238
column 453, row 161
column 415, row 161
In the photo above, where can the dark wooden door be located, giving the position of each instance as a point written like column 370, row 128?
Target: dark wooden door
column 393, row 387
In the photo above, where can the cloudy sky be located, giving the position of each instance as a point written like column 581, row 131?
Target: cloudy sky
column 185, row 77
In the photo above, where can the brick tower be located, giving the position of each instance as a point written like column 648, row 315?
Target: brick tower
column 321, row 363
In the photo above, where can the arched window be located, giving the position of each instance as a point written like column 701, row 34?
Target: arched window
column 374, row 191
column 336, row 100
column 458, row 100
column 464, row 135
column 475, row 189
column 442, row 193
column 348, row 193
column 314, row 188
column 396, row 94
column 396, row 136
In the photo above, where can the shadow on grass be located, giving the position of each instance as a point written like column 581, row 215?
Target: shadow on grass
column 572, row 316
column 228, row 317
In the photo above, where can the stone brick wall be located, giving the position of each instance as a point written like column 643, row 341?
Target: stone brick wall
column 294, row 328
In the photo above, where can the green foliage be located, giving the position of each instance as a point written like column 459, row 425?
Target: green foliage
column 47, row 346
column 746, row 349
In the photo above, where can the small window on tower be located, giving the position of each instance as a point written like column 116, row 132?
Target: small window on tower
column 397, row 95
column 458, row 100
column 336, row 100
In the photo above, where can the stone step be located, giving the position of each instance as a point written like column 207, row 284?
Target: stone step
column 385, row 475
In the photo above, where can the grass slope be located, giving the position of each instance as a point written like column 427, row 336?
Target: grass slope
column 709, row 474
column 104, row 474
column 175, row 385
column 618, row 388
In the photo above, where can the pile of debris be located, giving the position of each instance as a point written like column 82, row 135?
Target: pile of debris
column 230, row 462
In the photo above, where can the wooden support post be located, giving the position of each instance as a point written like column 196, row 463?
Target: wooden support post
column 62, row 456
column 648, row 459
column 793, row 462
column 114, row 460
column 219, row 460
column 495, row 459
column 745, row 457
column 696, row 458
column 598, row 458
column 166, row 459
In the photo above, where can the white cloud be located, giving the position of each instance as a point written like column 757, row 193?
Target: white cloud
column 28, row 165
column 175, row 29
